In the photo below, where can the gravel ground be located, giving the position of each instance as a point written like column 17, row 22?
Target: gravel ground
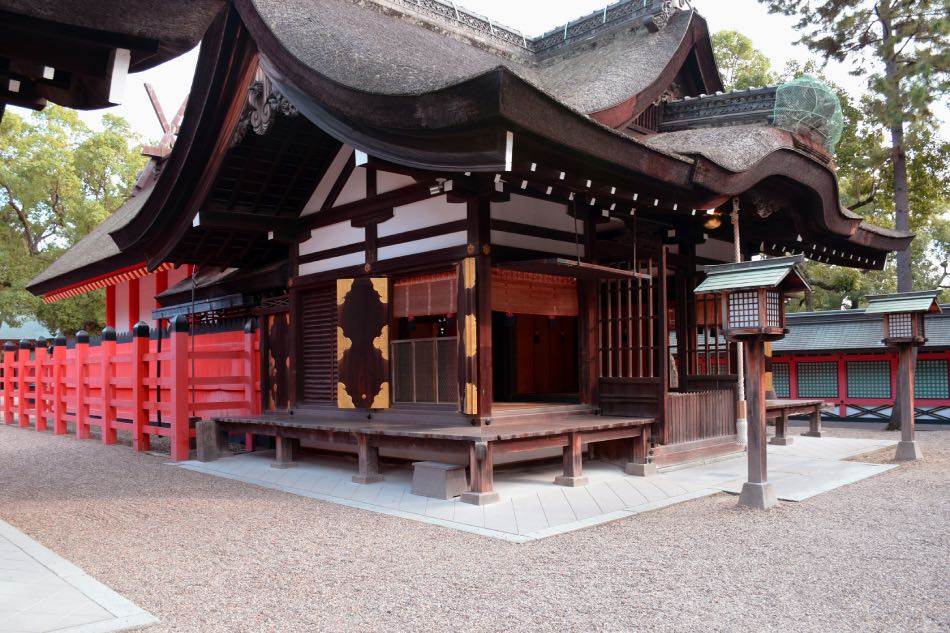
column 209, row 554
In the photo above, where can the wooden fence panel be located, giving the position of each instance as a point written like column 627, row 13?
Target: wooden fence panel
column 141, row 386
column 699, row 416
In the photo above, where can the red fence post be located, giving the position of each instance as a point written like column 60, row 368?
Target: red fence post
column 139, row 374
column 106, row 358
column 59, row 385
column 82, row 389
column 181, row 428
column 40, row 382
column 22, row 388
column 9, row 360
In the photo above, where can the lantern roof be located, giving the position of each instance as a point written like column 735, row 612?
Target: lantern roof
column 763, row 273
column 921, row 301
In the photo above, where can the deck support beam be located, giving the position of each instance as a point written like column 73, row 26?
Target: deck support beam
column 781, row 437
column 642, row 465
column 573, row 463
column 287, row 449
column 368, row 461
column 481, row 464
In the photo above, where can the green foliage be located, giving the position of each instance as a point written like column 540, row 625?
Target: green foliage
column 901, row 47
column 741, row 65
column 58, row 179
column 866, row 186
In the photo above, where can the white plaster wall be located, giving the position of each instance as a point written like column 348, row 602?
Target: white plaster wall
column 423, row 246
column 718, row 250
column 354, row 189
column 542, row 244
column 332, row 236
column 552, row 215
column 386, row 181
column 422, row 214
column 323, row 187
column 333, row 263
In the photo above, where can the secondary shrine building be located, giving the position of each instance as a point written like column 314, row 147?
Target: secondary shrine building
column 462, row 242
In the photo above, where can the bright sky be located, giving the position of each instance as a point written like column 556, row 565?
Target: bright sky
column 772, row 34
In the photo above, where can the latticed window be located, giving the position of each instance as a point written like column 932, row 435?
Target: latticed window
column 773, row 303
column 780, row 380
column 899, row 326
column 869, row 379
column 930, row 380
column 744, row 309
column 818, row 380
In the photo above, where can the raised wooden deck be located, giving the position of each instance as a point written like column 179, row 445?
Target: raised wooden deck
column 516, row 430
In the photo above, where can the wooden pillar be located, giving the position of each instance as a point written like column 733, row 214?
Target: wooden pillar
column 475, row 317
column 22, row 383
column 59, row 385
column 40, row 382
column 663, row 338
column 907, row 448
column 81, row 392
column 9, row 362
column 368, row 456
column 588, row 292
column 573, row 458
column 106, row 373
column 641, row 464
column 481, row 466
column 141, row 441
column 179, row 395
column 756, row 492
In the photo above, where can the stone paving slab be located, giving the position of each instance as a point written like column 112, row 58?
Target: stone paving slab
column 40, row 592
column 532, row 507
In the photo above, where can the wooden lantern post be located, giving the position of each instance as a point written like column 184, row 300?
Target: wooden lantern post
column 904, row 331
column 753, row 303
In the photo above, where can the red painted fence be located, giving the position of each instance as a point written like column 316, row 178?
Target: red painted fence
column 132, row 386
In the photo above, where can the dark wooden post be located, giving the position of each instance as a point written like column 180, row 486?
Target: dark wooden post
column 286, row 454
column 756, row 492
column 907, row 448
column 573, row 463
column 482, row 475
column 476, row 389
column 641, row 464
column 368, row 461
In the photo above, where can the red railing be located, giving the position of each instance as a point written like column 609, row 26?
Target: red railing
column 138, row 386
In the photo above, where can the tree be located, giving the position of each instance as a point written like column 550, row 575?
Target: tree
column 906, row 41
column 58, row 179
column 741, row 65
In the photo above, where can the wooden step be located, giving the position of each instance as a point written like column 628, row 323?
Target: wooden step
column 672, row 454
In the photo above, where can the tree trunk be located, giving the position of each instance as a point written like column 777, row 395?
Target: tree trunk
column 905, row 280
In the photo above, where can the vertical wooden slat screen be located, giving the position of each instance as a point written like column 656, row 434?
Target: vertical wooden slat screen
column 630, row 325
column 318, row 344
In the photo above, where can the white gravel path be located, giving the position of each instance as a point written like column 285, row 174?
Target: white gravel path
column 208, row 554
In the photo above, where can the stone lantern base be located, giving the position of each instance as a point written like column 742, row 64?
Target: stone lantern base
column 759, row 496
